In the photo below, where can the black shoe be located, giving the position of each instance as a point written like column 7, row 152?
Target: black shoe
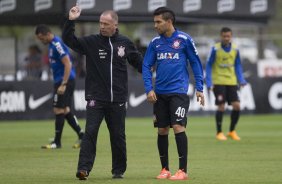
column 82, row 175
column 117, row 176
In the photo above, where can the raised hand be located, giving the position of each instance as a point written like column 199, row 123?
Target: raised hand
column 74, row 12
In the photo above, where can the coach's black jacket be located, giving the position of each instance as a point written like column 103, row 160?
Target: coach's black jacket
column 106, row 68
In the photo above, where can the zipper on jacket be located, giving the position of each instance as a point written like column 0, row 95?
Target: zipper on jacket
column 112, row 50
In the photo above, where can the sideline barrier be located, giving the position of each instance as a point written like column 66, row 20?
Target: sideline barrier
column 33, row 99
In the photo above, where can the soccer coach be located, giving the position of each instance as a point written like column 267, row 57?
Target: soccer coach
column 106, row 87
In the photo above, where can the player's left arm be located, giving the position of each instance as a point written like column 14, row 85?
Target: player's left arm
column 67, row 70
column 197, row 69
column 239, row 70
column 65, row 59
column 149, row 62
column 134, row 57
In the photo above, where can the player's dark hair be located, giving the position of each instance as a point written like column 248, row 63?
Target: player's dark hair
column 42, row 29
column 166, row 13
column 225, row 29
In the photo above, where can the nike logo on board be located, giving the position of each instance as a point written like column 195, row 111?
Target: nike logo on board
column 136, row 101
column 34, row 104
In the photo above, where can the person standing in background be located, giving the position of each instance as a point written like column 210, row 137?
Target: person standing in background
column 64, row 84
column 34, row 63
column 223, row 74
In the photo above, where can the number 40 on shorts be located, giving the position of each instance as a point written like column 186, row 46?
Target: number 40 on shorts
column 180, row 112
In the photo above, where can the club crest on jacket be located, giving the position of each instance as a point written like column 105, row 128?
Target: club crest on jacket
column 176, row 44
column 121, row 52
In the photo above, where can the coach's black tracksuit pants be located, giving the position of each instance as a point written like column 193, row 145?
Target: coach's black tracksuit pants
column 114, row 114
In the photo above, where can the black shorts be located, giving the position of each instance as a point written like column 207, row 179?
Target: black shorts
column 225, row 93
column 171, row 109
column 64, row 100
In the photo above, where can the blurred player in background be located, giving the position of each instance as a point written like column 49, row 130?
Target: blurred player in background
column 34, row 62
column 171, row 52
column 64, row 84
column 223, row 73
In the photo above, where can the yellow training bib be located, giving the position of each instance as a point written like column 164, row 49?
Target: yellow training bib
column 223, row 69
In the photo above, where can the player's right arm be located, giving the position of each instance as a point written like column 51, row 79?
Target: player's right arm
column 210, row 62
column 68, row 35
column 67, row 70
column 149, row 62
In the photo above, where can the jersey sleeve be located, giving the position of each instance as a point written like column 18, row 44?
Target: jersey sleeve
column 70, row 39
column 60, row 49
column 149, row 62
column 134, row 57
column 195, row 64
column 209, row 64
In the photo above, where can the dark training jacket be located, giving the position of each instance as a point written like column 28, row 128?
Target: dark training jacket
column 106, row 63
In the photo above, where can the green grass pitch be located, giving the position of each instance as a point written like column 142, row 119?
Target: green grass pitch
column 257, row 158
